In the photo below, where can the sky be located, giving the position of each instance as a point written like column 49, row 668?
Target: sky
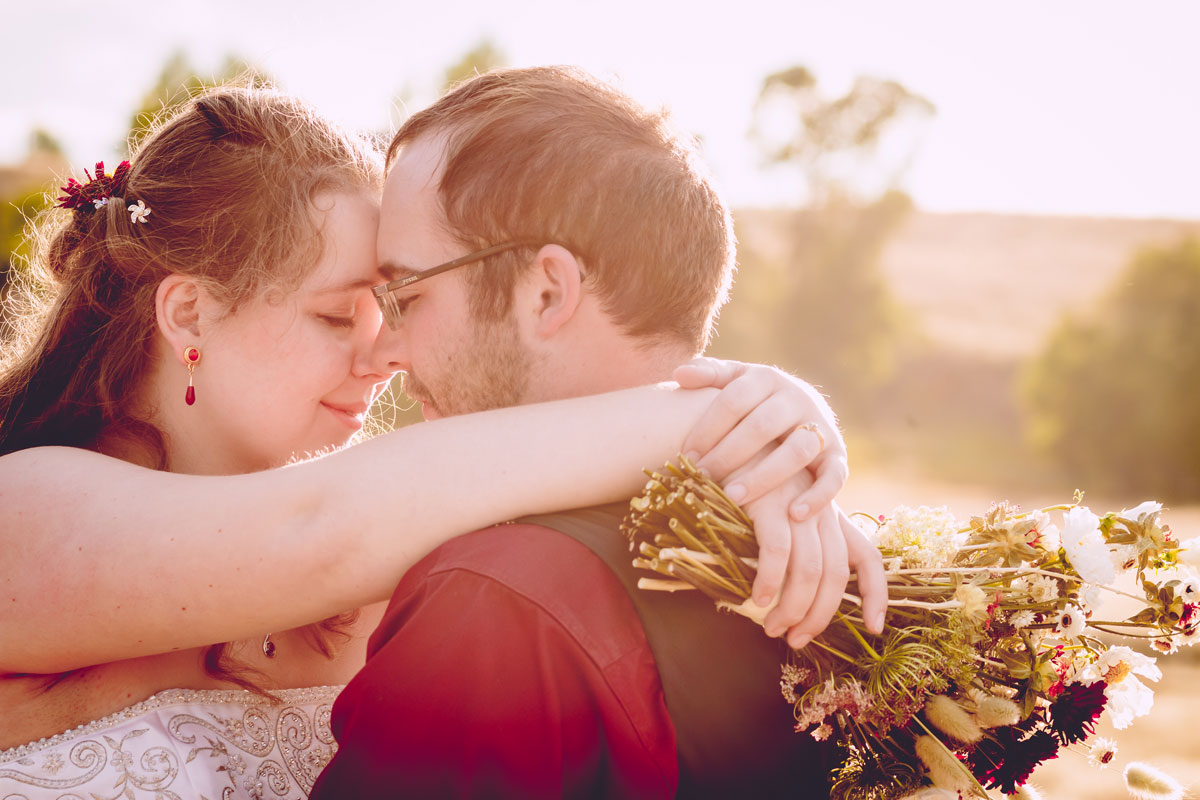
column 1063, row 107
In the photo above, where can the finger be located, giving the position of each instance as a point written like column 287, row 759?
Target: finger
column 774, row 535
column 702, row 372
column 864, row 558
column 835, row 574
column 805, row 564
column 831, row 471
column 762, row 427
column 730, row 406
column 781, row 464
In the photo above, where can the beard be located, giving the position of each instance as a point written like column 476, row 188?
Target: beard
column 490, row 369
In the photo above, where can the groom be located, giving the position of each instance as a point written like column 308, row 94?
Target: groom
column 522, row 661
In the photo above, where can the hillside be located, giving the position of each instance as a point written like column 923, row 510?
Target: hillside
column 995, row 284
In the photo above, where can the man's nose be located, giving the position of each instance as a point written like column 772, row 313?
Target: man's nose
column 390, row 351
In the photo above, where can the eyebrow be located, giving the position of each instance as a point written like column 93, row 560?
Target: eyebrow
column 392, row 272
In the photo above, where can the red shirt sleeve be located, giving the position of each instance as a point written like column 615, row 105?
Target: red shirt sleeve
column 510, row 663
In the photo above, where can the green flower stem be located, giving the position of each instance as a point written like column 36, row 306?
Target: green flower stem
column 832, row 651
column 863, row 642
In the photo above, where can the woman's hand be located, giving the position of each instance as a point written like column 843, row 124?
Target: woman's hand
column 759, row 406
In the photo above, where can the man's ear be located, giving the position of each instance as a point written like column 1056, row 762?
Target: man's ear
column 184, row 311
column 553, row 289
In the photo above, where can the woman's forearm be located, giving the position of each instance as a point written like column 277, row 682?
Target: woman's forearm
column 104, row 560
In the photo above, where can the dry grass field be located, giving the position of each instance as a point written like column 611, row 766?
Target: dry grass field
column 995, row 284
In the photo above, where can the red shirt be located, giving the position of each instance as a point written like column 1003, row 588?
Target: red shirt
column 510, row 663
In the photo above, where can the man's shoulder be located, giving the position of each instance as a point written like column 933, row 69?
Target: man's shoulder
column 535, row 568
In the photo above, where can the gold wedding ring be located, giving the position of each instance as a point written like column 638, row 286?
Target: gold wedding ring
column 812, row 428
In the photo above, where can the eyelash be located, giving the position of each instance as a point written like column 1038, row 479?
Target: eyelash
column 337, row 322
column 403, row 304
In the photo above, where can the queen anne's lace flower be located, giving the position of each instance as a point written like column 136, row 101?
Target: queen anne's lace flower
column 923, row 537
column 1085, row 546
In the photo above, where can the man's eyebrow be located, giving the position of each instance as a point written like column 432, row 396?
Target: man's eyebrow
column 350, row 286
column 394, row 272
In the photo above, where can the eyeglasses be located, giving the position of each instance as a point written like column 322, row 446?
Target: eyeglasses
column 390, row 304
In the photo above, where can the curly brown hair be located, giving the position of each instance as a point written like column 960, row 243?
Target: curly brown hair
column 230, row 178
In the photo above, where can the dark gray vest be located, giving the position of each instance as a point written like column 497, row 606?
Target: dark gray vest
column 720, row 674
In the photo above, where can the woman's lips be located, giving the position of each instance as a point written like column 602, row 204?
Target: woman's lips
column 353, row 416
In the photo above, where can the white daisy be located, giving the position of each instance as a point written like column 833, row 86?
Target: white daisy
column 1070, row 622
column 1102, row 752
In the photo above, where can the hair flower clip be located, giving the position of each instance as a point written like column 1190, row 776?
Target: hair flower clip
column 139, row 212
column 93, row 194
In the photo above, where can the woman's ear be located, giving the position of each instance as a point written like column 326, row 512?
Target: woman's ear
column 183, row 310
column 554, row 289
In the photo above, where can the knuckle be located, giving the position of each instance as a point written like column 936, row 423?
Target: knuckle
column 773, row 550
column 808, row 569
column 802, row 444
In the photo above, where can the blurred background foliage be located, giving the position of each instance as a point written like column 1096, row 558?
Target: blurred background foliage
column 1108, row 401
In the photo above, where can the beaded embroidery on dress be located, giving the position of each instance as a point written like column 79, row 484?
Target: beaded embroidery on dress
column 183, row 744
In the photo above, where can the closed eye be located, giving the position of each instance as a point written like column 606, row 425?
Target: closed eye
column 401, row 304
column 336, row 321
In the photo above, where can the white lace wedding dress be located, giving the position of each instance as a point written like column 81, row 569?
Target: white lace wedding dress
column 182, row 744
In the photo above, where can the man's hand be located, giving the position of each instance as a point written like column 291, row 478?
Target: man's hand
column 812, row 561
column 759, row 406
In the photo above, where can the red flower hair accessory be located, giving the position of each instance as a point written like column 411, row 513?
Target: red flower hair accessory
column 94, row 193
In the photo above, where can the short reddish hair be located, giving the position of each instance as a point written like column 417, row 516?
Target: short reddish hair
column 550, row 154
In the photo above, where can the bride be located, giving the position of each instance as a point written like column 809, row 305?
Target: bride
column 247, row 221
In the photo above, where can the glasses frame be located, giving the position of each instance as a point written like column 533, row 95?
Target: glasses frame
column 385, row 295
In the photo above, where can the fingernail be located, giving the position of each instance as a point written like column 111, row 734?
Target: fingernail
column 735, row 492
column 798, row 642
column 763, row 599
column 774, row 631
column 879, row 618
column 800, row 512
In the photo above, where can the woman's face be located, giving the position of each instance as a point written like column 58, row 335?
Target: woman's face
column 292, row 373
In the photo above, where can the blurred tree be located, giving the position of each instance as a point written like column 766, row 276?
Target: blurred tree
column 23, row 197
column 485, row 55
column 177, row 82
column 42, row 142
column 816, row 302
column 1112, row 397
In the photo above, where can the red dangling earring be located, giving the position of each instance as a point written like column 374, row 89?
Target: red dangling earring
column 191, row 355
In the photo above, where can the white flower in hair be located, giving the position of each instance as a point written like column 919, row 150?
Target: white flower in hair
column 139, row 212
column 100, row 202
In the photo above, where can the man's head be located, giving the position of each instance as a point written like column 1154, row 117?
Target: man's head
column 628, row 249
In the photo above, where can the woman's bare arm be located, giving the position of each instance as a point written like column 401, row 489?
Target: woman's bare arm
column 103, row 560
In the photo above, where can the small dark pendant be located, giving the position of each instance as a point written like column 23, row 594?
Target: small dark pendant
column 268, row 646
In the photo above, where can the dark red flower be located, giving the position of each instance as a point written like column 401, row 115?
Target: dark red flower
column 1073, row 714
column 83, row 196
column 1004, row 760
